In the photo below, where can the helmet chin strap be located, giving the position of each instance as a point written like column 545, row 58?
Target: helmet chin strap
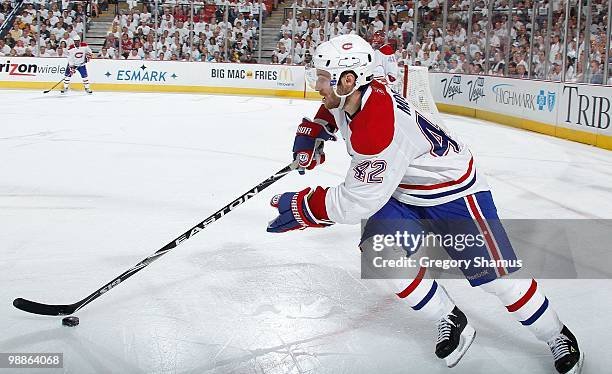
column 342, row 102
column 343, row 97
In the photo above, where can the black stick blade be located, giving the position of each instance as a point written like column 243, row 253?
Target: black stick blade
column 43, row 309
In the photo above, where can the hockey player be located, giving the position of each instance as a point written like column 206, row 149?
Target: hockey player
column 407, row 168
column 385, row 61
column 79, row 54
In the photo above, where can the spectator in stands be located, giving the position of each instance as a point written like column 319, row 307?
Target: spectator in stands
column 5, row 50
column 42, row 52
column 248, row 58
column 165, row 54
column 378, row 24
column 281, row 53
column 105, row 54
column 133, row 55
column 126, row 45
column 596, row 73
column 512, row 69
column 556, row 73
column 19, row 48
column 521, row 71
column 15, row 32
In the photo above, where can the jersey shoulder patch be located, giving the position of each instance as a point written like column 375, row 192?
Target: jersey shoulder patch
column 386, row 50
column 373, row 127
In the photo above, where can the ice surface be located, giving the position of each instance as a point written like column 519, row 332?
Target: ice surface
column 90, row 185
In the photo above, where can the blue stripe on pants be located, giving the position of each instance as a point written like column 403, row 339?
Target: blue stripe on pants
column 427, row 297
column 537, row 314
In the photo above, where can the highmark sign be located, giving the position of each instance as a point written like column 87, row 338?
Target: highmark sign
column 577, row 112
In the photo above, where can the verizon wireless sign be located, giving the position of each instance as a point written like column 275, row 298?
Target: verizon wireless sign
column 581, row 107
column 31, row 68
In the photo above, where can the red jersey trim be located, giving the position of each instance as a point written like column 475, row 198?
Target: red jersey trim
column 316, row 203
column 373, row 127
column 325, row 115
column 462, row 179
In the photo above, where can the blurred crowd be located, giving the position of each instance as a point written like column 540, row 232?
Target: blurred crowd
column 461, row 48
column 229, row 31
column 220, row 34
column 59, row 24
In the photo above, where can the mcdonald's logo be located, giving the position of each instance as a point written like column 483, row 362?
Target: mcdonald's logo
column 285, row 75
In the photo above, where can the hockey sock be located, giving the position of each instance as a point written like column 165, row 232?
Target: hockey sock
column 86, row 83
column 427, row 297
column 66, row 82
column 524, row 300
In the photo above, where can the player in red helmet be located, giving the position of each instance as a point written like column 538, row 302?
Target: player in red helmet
column 384, row 57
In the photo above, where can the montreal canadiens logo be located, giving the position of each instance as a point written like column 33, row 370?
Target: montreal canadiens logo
column 347, row 46
column 303, row 158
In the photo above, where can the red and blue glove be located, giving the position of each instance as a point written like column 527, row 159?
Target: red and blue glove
column 295, row 212
column 308, row 144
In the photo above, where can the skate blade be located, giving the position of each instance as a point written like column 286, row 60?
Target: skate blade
column 578, row 367
column 467, row 337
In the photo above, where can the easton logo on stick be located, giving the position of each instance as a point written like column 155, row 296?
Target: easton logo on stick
column 59, row 309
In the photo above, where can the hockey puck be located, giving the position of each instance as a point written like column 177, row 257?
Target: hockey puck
column 70, row 321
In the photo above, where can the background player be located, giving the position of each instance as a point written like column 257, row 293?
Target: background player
column 79, row 54
column 385, row 61
column 407, row 168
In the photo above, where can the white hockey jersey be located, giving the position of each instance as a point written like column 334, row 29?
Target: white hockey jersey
column 396, row 152
column 78, row 56
column 385, row 64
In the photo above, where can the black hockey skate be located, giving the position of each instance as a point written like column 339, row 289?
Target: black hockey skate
column 455, row 336
column 64, row 90
column 89, row 91
column 564, row 347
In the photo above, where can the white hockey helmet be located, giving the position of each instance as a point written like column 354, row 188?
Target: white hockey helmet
column 346, row 53
column 76, row 40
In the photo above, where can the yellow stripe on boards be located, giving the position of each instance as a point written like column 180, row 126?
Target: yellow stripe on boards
column 598, row 140
column 162, row 88
column 601, row 141
column 576, row 135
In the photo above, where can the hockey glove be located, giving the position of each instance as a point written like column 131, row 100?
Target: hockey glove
column 294, row 212
column 308, row 144
column 72, row 70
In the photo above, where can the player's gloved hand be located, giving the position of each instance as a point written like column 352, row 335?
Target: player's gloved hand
column 72, row 70
column 308, row 144
column 294, row 212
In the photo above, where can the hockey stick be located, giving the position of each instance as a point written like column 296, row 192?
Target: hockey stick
column 63, row 310
column 51, row 89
